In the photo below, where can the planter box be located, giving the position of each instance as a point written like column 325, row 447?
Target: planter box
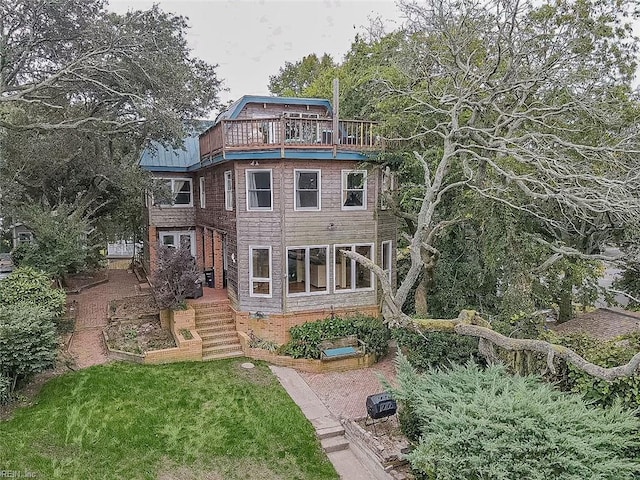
column 183, row 318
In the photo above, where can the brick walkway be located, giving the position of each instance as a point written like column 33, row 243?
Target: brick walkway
column 87, row 344
column 603, row 323
column 345, row 393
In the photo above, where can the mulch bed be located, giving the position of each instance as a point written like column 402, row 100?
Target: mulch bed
column 138, row 337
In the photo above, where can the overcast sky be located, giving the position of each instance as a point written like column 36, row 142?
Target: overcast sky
column 251, row 40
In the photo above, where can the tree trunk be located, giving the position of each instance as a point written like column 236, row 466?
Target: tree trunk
column 421, row 297
column 565, row 302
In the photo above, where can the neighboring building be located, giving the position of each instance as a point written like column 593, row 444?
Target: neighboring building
column 20, row 234
column 266, row 197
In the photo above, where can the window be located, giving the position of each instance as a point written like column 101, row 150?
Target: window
column 228, row 190
column 307, row 270
column 387, row 255
column 203, row 198
column 387, row 187
column 180, row 189
column 259, row 194
column 307, row 186
column 350, row 275
column 260, row 271
column 354, row 191
column 183, row 238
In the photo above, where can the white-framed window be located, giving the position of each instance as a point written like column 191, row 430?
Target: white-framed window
column 260, row 271
column 354, row 190
column 181, row 192
column 387, row 186
column 386, row 255
column 228, row 190
column 259, row 191
column 349, row 275
column 179, row 238
column 307, row 271
column 307, row 190
column 203, row 197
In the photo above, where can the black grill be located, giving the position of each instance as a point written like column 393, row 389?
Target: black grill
column 381, row 405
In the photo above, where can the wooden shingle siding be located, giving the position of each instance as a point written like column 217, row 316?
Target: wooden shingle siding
column 260, row 110
column 168, row 216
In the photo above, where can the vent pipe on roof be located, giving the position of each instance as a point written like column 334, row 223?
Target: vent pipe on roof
column 336, row 109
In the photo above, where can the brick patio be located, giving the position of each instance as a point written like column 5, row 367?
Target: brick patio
column 345, row 393
column 87, row 345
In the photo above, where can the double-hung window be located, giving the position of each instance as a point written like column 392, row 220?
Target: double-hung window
column 260, row 271
column 349, row 275
column 307, row 190
column 259, row 191
column 228, row 190
column 354, row 190
column 181, row 192
column 307, row 270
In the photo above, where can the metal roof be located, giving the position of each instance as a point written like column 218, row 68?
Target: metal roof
column 159, row 158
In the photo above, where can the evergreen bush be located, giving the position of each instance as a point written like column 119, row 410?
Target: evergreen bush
column 484, row 424
column 431, row 349
column 28, row 285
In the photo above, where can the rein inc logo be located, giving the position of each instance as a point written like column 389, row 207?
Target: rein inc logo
column 17, row 474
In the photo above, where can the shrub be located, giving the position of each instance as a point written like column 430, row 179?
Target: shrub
column 478, row 424
column 5, row 389
column 28, row 285
column 28, row 342
column 432, row 349
column 306, row 337
column 611, row 353
column 175, row 277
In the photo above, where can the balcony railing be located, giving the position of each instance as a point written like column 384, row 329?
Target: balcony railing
column 287, row 132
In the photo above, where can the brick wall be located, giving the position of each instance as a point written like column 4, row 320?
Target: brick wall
column 276, row 327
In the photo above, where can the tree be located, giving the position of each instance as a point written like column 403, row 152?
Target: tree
column 175, row 277
column 293, row 79
column 528, row 106
column 82, row 90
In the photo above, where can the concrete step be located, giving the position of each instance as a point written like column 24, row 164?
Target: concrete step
column 213, row 322
column 334, row 444
column 208, row 350
column 220, row 356
column 329, row 432
column 219, row 337
column 213, row 309
column 216, row 328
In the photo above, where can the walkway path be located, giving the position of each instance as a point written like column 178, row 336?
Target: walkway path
column 87, row 344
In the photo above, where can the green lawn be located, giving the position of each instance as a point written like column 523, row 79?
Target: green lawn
column 210, row 420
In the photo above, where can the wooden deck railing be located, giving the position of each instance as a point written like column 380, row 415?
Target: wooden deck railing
column 287, row 132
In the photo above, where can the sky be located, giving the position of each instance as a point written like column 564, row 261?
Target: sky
column 250, row 40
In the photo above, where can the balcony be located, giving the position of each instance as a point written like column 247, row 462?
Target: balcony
column 288, row 132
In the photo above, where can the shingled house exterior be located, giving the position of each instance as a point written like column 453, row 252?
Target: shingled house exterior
column 266, row 197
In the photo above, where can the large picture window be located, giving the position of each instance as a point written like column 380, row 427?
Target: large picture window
column 307, row 270
column 259, row 193
column 354, row 190
column 181, row 192
column 260, row 271
column 307, row 189
column 350, row 275
column 228, row 190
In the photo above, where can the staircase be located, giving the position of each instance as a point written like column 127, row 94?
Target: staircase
column 217, row 328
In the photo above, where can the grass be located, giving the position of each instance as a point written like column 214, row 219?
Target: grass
column 210, row 420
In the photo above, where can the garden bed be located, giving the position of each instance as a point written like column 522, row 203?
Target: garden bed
column 135, row 307
column 138, row 336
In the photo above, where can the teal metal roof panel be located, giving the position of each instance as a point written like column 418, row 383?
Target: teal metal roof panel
column 158, row 157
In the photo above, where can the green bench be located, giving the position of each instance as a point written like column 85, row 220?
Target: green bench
column 344, row 347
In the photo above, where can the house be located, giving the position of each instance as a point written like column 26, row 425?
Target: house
column 266, row 197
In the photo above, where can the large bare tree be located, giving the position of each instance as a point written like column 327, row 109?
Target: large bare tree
column 528, row 104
